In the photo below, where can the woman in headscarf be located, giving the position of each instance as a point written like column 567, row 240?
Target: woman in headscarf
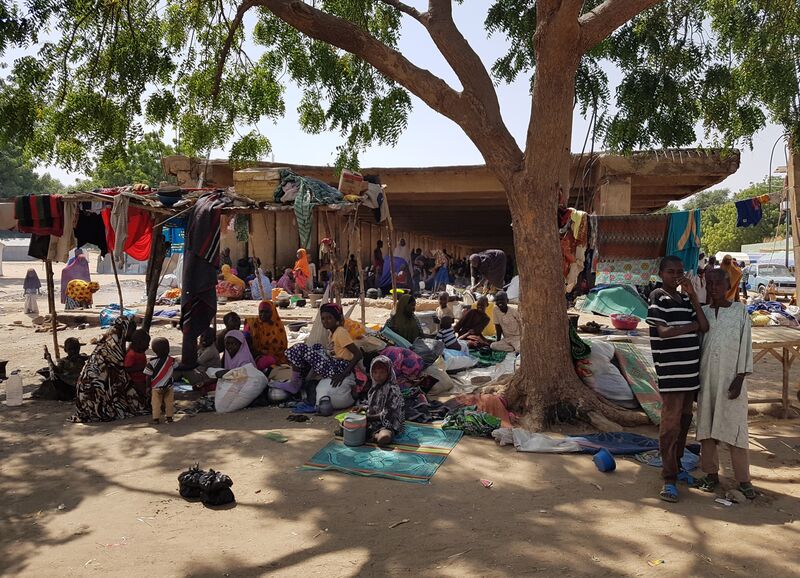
column 255, row 286
column 730, row 266
column 77, row 268
column 470, row 327
column 31, row 288
column 404, row 322
column 385, row 405
column 286, row 282
column 230, row 286
column 105, row 391
column 79, row 294
column 337, row 362
column 237, row 353
column 302, row 272
column 268, row 336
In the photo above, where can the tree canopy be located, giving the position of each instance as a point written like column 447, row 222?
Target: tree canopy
column 18, row 178
column 211, row 70
column 139, row 163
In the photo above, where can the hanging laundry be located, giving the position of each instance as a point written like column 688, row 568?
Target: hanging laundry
column 627, row 272
column 40, row 214
column 39, row 246
column 242, row 228
column 375, row 200
column 683, row 239
column 139, row 231
column 60, row 246
column 631, row 237
column 90, row 228
column 119, row 224
column 201, row 262
column 311, row 192
column 748, row 212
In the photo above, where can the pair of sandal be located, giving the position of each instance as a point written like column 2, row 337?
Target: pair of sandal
column 709, row 485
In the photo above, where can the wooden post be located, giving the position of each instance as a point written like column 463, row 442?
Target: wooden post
column 116, row 278
column 256, row 261
column 390, row 231
column 337, row 291
column 158, row 250
column 793, row 181
column 51, row 302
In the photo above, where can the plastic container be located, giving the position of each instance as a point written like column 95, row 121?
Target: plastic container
column 354, row 427
column 624, row 322
column 14, row 389
column 604, row 461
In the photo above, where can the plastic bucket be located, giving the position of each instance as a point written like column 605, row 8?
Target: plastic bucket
column 604, row 461
column 354, row 427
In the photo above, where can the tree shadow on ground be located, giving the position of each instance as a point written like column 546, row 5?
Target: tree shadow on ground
column 545, row 514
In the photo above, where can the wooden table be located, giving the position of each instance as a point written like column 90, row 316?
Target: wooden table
column 783, row 343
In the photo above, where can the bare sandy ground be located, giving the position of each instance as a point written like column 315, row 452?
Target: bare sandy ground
column 101, row 499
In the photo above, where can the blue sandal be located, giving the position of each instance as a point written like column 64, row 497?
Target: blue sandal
column 669, row 493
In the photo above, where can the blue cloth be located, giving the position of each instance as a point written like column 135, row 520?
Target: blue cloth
column 689, row 461
column 748, row 212
column 689, row 253
column 620, row 443
column 386, row 276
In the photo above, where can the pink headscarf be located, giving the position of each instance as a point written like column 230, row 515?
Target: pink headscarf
column 243, row 356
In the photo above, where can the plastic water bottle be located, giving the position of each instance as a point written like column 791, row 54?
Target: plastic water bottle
column 14, row 389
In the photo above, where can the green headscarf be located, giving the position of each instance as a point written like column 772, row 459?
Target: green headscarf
column 404, row 322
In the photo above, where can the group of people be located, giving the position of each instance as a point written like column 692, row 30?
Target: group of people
column 249, row 280
column 737, row 273
column 702, row 352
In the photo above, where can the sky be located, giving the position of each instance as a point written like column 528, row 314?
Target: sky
column 431, row 139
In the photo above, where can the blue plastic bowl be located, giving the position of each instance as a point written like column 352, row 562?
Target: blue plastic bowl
column 168, row 200
column 604, row 461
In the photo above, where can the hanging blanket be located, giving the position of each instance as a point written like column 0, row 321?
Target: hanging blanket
column 627, row 271
column 632, row 237
column 311, row 192
column 638, row 371
column 683, row 239
column 40, row 214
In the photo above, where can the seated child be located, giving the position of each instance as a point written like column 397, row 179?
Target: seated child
column 771, row 291
column 136, row 360
column 446, row 334
column 62, row 377
column 159, row 380
column 385, row 409
column 445, row 308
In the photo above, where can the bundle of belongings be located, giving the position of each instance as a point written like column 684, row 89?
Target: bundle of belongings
column 212, row 488
column 773, row 313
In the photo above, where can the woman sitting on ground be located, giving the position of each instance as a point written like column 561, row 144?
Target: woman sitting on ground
column 286, row 282
column 237, row 353
column 232, row 322
column 104, row 391
column 230, row 286
column 336, row 363
column 404, row 322
column 470, row 327
column 385, row 407
column 268, row 336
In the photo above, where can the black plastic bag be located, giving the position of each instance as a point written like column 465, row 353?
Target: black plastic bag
column 189, row 483
column 216, row 489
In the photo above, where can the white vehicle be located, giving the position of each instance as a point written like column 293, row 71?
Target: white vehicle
column 739, row 257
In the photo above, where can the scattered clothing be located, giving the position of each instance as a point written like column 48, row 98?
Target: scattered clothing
column 40, row 214
column 471, row 421
column 407, row 365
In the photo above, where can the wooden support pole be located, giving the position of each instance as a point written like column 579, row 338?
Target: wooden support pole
column 390, row 232
column 360, row 274
column 256, row 261
column 158, row 250
column 116, row 278
column 51, row 302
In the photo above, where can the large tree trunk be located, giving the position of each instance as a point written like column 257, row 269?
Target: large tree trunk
column 547, row 377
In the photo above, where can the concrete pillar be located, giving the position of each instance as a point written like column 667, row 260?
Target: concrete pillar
column 614, row 197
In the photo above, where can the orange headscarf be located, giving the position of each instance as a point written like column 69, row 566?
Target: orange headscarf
column 302, row 264
column 730, row 266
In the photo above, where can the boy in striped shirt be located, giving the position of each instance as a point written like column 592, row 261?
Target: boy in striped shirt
column 159, row 379
column 676, row 320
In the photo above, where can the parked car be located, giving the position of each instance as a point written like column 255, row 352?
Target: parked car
column 760, row 274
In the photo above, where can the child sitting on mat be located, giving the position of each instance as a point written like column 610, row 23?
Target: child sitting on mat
column 385, row 409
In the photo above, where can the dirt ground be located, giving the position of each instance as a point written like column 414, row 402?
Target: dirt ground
column 101, row 499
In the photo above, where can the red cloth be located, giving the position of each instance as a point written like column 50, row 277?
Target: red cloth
column 135, row 363
column 140, row 233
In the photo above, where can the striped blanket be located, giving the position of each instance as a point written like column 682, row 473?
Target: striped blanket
column 638, row 371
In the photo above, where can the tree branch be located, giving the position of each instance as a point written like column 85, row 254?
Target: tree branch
column 406, row 9
column 599, row 23
column 475, row 80
column 226, row 48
